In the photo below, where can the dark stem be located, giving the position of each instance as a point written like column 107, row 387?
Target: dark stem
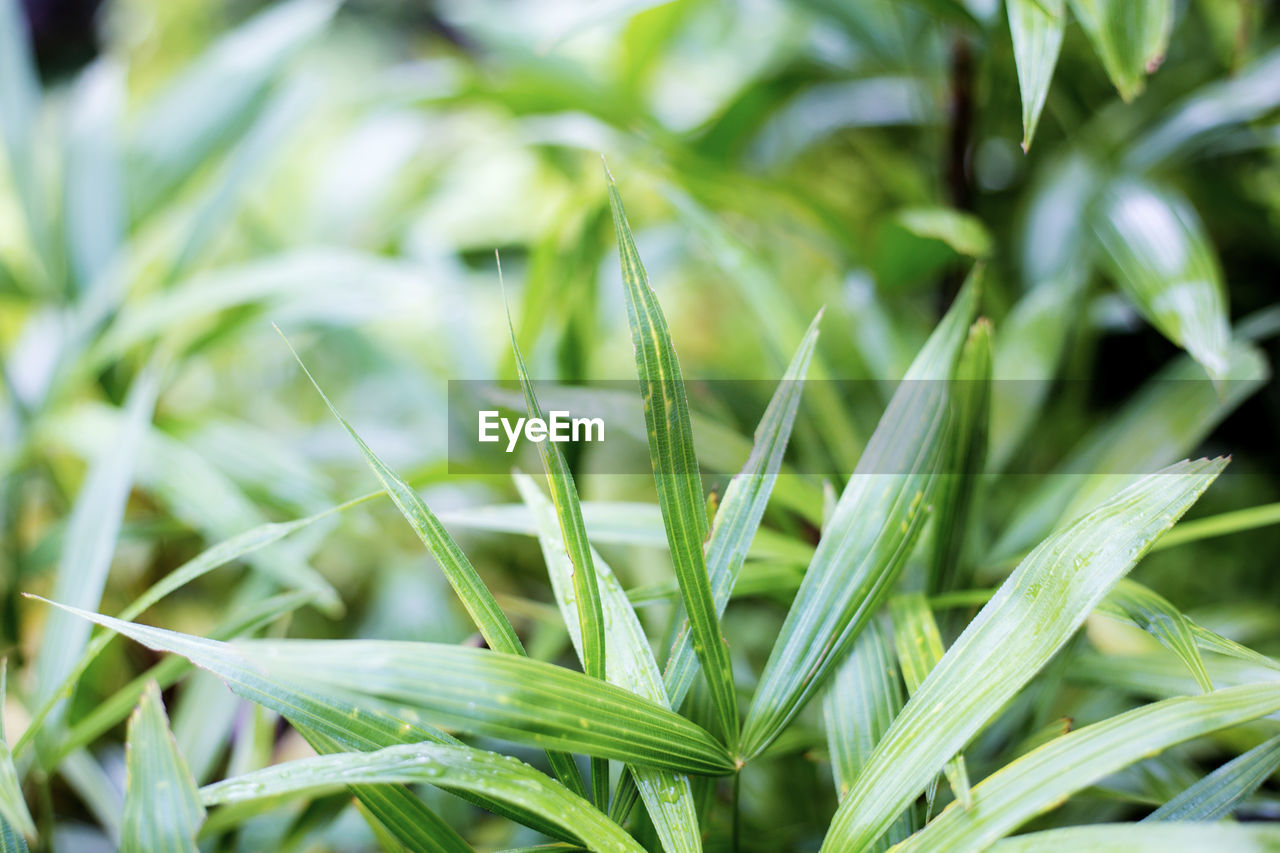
column 957, row 177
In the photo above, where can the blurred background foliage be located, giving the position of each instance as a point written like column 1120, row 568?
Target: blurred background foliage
column 180, row 174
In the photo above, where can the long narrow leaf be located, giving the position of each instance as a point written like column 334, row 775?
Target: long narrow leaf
column 590, row 621
column 13, row 808
column 162, row 810
column 1154, row 614
column 630, row 664
column 1143, row 838
column 1048, row 775
column 675, row 468
column 864, row 547
column 1033, row 614
column 1036, row 27
column 1129, row 36
column 474, row 690
column 453, row 767
column 1216, row 795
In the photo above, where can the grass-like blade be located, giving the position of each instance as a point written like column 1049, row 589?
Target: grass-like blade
column 1160, row 256
column 10, row 840
column 966, row 455
column 91, row 538
column 450, row 767
column 1221, row 525
column 1153, row 613
column 162, row 809
column 864, row 696
column 737, row 522
column 630, row 664
column 20, row 101
column 1046, row 776
column 473, row 690
column 206, row 561
column 1036, row 27
column 94, row 210
column 1032, row 615
column 1165, row 421
column 590, row 620
column 919, row 648
column 865, row 545
column 462, row 576
column 1216, row 795
column 13, row 808
column 675, row 468
column 1147, row 838
column 1129, row 37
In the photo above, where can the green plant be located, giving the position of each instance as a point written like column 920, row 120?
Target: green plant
column 951, row 656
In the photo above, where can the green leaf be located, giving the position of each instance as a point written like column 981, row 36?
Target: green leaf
column 10, row 840
column 919, row 647
column 1210, row 112
column 1046, row 776
column 211, row 558
column 1036, row 27
column 13, row 808
column 875, row 524
column 1033, row 614
column 864, row 696
column 449, row 767
column 20, row 102
column 91, row 537
column 1129, row 36
column 1216, row 795
column 215, row 98
column 963, row 232
column 95, row 210
column 1154, row 614
column 462, row 576
column 162, row 810
column 966, row 455
column 675, row 468
column 737, row 522
column 589, row 621
column 1164, row 421
column 1220, row 525
column 474, row 690
column 1143, row 838
column 1161, row 257
column 629, row 664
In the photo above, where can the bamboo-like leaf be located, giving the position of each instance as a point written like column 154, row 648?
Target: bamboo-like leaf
column 590, row 621
column 20, row 102
column 1221, row 525
column 675, row 469
column 875, row 524
column 629, row 664
column 95, row 211
column 91, row 538
column 462, row 576
column 738, row 520
column 1147, row 838
column 10, row 840
column 1216, row 795
column 1032, row 615
column 162, row 810
column 214, row 99
column 919, row 648
column 1162, row 259
column 1154, row 614
column 1036, row 27
column 13, row 808
column 1164, row 421
column 206, row 561
column 1048, row 775
column 450, row 767
column 864, row 696
column 1129, row 36
column 966, row 456
column 474, row 690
